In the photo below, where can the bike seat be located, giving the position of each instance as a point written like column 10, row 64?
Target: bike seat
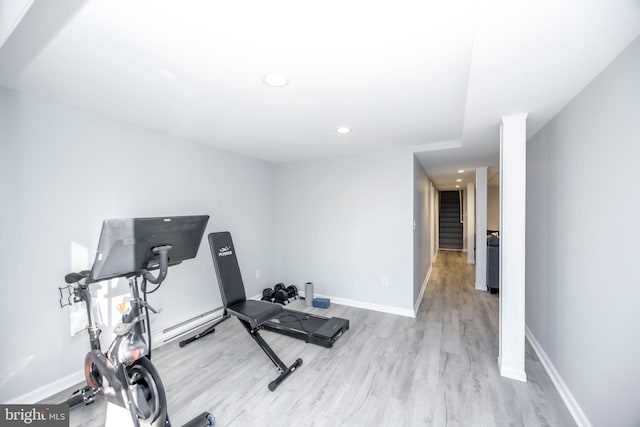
column 76, row 277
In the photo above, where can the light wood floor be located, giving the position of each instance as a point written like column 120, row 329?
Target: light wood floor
column 439, row 369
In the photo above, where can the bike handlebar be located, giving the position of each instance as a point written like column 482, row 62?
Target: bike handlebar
column 72, row 278
column 163, row 251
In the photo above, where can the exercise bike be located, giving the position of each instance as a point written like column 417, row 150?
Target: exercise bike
column 124, row 375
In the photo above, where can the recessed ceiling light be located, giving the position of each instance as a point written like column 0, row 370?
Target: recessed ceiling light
column 276, row 80
column 343, row 129
column 458, row 180
column 457, row 186
column 167, row 74
column 460, row 170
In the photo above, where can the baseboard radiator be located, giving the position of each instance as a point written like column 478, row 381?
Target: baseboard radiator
column 185, row 327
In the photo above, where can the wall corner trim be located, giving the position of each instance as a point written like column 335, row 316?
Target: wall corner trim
column 416, row 305
column 567, row 397
column 512, row 373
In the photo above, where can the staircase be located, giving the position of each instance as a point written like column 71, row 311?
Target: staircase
column 450, row 225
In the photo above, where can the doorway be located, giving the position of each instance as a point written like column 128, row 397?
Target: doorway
column 450, row 220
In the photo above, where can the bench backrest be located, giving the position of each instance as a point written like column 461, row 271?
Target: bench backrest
column 227, row 269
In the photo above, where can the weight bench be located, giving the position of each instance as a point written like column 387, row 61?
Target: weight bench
column 252, row 314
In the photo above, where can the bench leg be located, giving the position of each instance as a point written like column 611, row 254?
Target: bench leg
column 285, row 370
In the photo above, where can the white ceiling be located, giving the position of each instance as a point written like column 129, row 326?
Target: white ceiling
column 399, row 73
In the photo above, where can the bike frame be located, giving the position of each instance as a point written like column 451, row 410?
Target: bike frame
column 127, row 347
column 124, row 373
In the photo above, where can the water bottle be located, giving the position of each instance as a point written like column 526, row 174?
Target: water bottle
column 308, row 293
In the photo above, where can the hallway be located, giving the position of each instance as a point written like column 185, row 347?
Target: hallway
column 470, row 391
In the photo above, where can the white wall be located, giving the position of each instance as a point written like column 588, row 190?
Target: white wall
column 422, row 199
column 432, row 208
column 513, row 185
column 479, row 239
column 493, row 207
column 436, row 219
column 583, row 286
column 470, row 222
column 63, row 172
column 344, row 223
column 465, row 217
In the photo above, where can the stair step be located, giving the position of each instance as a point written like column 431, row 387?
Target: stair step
column 449, row 220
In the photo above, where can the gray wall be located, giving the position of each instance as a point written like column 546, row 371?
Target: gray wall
column 582, row 283
column 344, row 223
column 422, row 230
column 493, row 207
column 63, row 172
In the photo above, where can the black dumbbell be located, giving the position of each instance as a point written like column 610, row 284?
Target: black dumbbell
column 268, row 294
column 292, row 291
column 280, row 297
column 279, row 287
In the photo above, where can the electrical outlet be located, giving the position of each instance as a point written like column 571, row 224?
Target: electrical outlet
column 258, row 274
column 385, row 281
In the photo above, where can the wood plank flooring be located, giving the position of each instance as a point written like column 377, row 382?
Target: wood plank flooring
column 439, row 369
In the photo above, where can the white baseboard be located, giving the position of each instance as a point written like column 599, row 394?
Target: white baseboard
column 512, row 373
column 359, row 304
column 435, row 257
column 574, row 408
column 416, row 306
column 408, row 312
column 49, row 389
column 158, row 339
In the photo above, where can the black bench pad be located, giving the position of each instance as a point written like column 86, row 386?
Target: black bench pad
column 254, row 312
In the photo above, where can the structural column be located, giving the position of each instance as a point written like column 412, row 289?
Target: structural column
column 436, row 211
column 471, row 202
column 513, row 174
column 481, row 229
column 432, row 207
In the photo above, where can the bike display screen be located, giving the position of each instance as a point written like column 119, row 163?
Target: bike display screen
column 126, row 246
